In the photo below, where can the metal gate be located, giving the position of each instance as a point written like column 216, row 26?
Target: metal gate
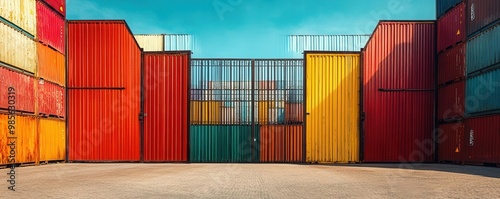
column 245, row 110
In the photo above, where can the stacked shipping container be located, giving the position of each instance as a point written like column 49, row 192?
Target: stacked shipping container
column 483, row 72
column 104, row 82
column 33, row 64
column 165, row 42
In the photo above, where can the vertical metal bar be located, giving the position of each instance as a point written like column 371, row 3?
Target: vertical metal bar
column 66, row 86
column 252, row 105
column 188, row 150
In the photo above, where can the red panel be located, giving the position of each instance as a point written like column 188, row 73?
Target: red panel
column 24, row 86
column 451, row 101
column 451, row 64
column 483, row 139
column 166, row 86
column 58, row 5
column 452, row 28
column 481, row 13
column 398, row 124
column 104, row 100
column 51, row 99
column 281, row 143
column 50, row 27
column 451, row 142
column 294, row 112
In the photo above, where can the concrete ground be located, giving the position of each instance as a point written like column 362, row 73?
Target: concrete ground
column 252, row 181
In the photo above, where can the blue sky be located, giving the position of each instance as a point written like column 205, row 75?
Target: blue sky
column 250, row 28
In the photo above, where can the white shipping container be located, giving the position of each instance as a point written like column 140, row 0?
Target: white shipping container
column 22, row 13
column 150, row 43
column 16, row 49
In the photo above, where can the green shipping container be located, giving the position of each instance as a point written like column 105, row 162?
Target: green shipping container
column 235, row 143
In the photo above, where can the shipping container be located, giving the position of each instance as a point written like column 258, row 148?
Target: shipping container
column 24, row 90
column 482, row 136
column 51, row 65
column 294, row 113
column 102, row 54
column 51, row 99
column 483, row 50
column 281, row 143
column 103, row 126
column 205, row 112
column 231, row 115
column 16, row 49
column 52, row 134
column 451, row 101
column 175, row 42
column 451, row 64
column 276, row 115
column 481, row 13
column 451, row 140
column 399, row 92
column 151, row 43
column 263, row 108
column 332, row 106
column 166, row 106
column 482, row 93
column 301, row 43
column 50, row 27
column 104, row 80
column 26, row 139
column 21, row 13
column 445, row 5
column 452, row 28
column 223, row 143
column 58, row 5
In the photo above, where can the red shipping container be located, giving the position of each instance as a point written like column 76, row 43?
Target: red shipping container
column 51, row 99
column 105, row 91
column 481, row 13
column 483, row 139
column 58, row 5
column 166, row 107
column 451, row 140
column 398, row 99
column 451, row 64
column 50, row 27
column 24, row 90
column 451, row 101
column 281, row 143
column 451, row 28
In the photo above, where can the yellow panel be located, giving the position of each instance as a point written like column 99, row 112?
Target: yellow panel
column 205, row 112
column 264, row 111
column 22, row 13
column 52, row 139
column 333, row 87
column 26, row 141
column 16, row 49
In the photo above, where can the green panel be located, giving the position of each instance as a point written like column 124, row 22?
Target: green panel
column 222, row 144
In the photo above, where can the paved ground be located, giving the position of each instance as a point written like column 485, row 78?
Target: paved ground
column 252, row 181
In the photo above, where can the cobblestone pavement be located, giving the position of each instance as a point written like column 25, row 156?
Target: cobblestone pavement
column 252, row 181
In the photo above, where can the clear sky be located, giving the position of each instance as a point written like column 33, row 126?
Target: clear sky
column 250, row 28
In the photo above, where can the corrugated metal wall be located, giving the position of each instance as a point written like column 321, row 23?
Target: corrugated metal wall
column 451, row 101
column 166, row 93
column 442, row 6
column 281, row 143
column 301, row 43
column 58, row 5
column 51, row 99
column 175, row 42
column 483, row 138
column 332, row 101
column 151, row 42
column 451, row 142
column 452, row 28
column 23, row 84
column 26, row 141
column 17, row 49
column 482, row 93
column 451, row 64
column 22, row 13
column 50, row 27
column 51, row 65
column 398, row 92
column 481, row 13
column 104, row 92
column 52, row 133
column 482, row 50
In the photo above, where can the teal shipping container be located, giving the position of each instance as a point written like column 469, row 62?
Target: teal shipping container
column 215, row 144
column 483, row 93
column 483, row 50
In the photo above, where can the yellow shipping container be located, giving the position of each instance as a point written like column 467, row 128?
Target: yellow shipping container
column 16, row 49
column 333, row 86
column 205, row 112
column 151, row 42
column 22, row 13
column 263, row 108
column 52, row 139
column 26, row 140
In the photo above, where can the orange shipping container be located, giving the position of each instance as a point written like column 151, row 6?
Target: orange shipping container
column 281, row 143
column 26, row 140
column 51, row 65
column 52, row 134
